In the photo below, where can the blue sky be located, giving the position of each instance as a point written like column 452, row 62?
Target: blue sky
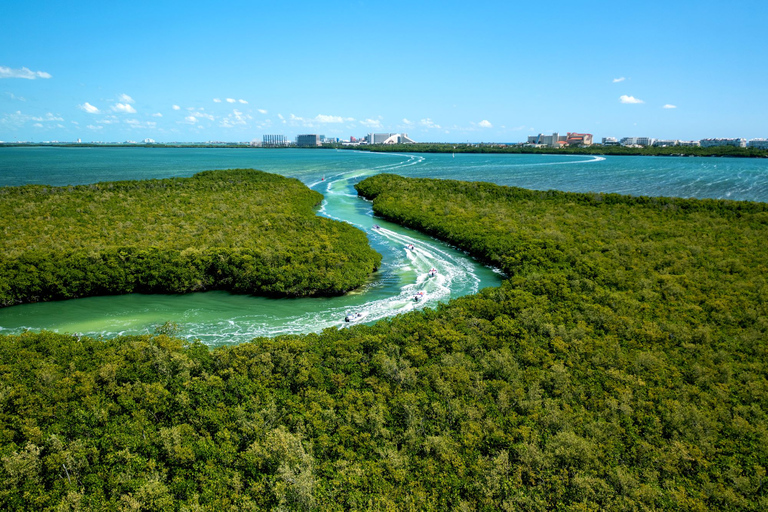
column 439, row 71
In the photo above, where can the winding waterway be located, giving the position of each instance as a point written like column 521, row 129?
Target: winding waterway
column 220, row 318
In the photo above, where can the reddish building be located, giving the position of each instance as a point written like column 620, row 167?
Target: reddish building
column 579, row 139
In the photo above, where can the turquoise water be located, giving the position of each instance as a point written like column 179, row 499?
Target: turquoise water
column 219, row 318
column 719, row 178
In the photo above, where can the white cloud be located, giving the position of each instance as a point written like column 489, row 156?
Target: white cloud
column 92, row 127
column 231, row 100
column 280, row 116
column 124, row 107
column 48, row 117
column 217, row 100
column 429, row 123
column 371, row 123
column 205, row 116
column 262, row 111
column 243, row 102
column 321, row 118
column 669, row 106
column 406, row 121
column 176, row 107
column 157, row 114
column 125, row 98
column 617, row 80
column 89, row 108
column 234, row 119
column 191, row 119
column 37, row 125
column 22, row 73
column 629, row 99
column 14, row 97
column 133, row 122
column 485, row 124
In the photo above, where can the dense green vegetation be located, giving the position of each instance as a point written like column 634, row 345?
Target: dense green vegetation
column 239, row 230
column 622, row 366
column 596, row 149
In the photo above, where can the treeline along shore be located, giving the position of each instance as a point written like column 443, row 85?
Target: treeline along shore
column 239, row 230
column 596, row 149
column 621, row 366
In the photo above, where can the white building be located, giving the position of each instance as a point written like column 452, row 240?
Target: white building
column 610, row 141
column 662, row 143
column 758, row 143
column 389, row 138
column 637, row 141
column 711, row 143
column 552, row 141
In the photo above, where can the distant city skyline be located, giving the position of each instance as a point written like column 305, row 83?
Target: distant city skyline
column 439, row 71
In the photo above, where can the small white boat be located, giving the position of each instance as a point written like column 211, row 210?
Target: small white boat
column 355, row 317
column 419, row 296
column 410, row 247
column 432, row 272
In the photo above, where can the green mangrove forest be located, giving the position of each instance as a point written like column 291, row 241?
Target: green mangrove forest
column 239, row 230
column 621, row 366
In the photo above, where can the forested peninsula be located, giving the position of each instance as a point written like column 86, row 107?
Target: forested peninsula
column 240, row 230
column 621, row 366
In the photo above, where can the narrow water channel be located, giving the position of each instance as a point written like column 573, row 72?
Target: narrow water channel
column 218, row 318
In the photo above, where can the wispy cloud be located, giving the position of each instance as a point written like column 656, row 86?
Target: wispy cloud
column 47, row 117
column 428, row 123
column 93, row 127
column 14, row 97
column 669, row 106
column 124, row 107
column 176, row 107
column 485, row 124
column 22, row 73
column 371, row 123
column 217, row 100
column 236, row 118
column 243, row 102
column 629, row 99
column 321, row 118
column 125, row 98
column 89, row 108
column 157, row 114
column 406, row 121
column 617, row 80
column 262, row 111
column 191, row 119
column 231, row 100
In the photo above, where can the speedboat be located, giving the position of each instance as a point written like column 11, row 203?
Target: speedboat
column 418, row 296
column 432, row 272
column 410, row 247
column 376, row 226
column 355, row 317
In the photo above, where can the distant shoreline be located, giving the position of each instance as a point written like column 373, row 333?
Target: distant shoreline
column 597, row 150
